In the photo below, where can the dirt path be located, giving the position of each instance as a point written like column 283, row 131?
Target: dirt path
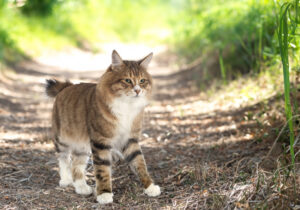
column 200, row 152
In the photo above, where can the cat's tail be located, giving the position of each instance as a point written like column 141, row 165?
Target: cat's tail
column 53, row 86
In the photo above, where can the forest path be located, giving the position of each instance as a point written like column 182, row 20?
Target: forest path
column 195, row 148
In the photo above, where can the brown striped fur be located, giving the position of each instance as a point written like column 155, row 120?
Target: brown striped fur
column 88, row 117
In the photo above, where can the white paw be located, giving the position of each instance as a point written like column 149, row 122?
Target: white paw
column 65, row 182
column 153, row 190
column 82, row 188
column 116, row 155
column 105, row 198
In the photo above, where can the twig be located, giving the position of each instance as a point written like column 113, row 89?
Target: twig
column 171, row 177
column 279, row 135
column 238, row 165
column 6, row 175
column 25, row 179
column 120, row 177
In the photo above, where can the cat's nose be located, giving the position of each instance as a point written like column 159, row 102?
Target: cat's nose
column 137, row 91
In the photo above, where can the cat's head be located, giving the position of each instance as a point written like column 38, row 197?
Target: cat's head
column 129, row 78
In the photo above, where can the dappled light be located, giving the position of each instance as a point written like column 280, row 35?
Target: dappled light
column 216, row 133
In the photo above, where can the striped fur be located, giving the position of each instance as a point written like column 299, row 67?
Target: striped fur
column 99, row 118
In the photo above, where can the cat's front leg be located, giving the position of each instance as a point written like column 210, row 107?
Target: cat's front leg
column 134, row 156
column 102, row 171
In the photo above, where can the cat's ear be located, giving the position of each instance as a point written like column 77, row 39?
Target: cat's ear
column 116, row 60
column 145, row 61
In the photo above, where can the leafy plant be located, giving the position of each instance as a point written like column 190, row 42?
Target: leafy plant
column 284, row 38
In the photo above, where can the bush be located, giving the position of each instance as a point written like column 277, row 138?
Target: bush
column 8, row 49
column 39, row 7
column 240, row 31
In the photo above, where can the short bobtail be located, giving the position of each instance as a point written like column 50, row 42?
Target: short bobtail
column 53, row 86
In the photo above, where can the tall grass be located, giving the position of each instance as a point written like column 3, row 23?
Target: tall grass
column 222, row 67
column 284, row 37
column 243, row 30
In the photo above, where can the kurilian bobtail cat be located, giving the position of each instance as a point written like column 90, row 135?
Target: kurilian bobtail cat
column 101, row 118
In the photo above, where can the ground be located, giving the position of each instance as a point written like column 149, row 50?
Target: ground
column 204, row 153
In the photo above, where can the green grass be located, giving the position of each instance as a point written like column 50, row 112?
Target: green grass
column 30, row 35
column 73, row 22
column 222, row 67
column 286, row 34
column 243, row 30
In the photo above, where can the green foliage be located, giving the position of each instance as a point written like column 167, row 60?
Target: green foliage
column 243, row 30
column 38, row 25
column 118, row 20
column 8, row 49
column 38, row 7
column 2, row 4
column 237, row 35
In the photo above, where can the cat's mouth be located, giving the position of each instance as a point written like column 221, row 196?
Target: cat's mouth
column 133, row 96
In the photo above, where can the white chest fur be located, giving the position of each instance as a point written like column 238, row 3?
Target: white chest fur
column 126, row 109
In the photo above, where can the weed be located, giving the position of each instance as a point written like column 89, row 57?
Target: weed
column 284, row 42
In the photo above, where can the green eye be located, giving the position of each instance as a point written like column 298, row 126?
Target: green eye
column 128, row 81
column 142, row 80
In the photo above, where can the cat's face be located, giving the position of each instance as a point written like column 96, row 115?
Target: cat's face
column 130, row 78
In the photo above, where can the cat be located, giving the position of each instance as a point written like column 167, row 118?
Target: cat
column 102, row 118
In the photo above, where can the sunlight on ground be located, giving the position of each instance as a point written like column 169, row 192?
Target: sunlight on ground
column 249, row 90
column 74, row 59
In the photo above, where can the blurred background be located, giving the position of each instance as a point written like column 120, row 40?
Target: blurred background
column 237, row 36
column 227, row 78
column 225, row 38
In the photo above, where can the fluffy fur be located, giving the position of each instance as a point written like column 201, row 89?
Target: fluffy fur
column 102, row 118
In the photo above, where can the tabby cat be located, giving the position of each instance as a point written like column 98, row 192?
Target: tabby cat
column 105, row 119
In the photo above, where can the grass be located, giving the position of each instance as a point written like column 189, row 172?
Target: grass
column 242, row 32
column 222, row 67
column 241, row 28
column 29, row 34
column 248, row 90
column 284, row 42
column 85, row 23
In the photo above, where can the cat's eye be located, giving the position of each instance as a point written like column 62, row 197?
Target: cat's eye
column 142, row 81
column 128, row 81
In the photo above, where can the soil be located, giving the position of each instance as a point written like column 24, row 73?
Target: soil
column 204, row 155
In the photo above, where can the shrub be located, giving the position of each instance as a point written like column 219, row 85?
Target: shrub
column 38, row 7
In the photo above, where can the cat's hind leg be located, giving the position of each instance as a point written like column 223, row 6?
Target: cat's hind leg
column 79, row 162
column 64, row 162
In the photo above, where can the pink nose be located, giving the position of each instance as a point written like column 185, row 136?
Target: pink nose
column 137, row 91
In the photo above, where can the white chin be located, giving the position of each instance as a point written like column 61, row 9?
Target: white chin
column 135, row 96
